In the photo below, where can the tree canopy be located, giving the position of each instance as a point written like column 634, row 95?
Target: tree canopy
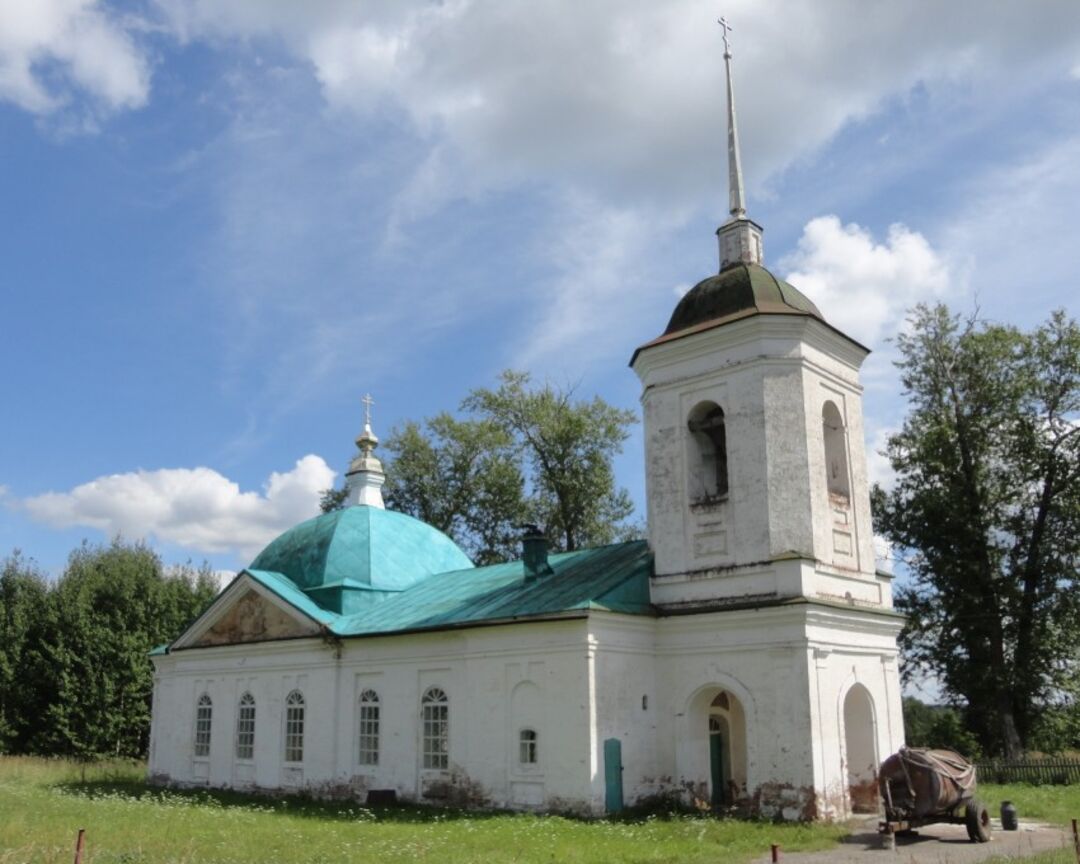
column 519, row 454
column 986, row 509
column 75, row 677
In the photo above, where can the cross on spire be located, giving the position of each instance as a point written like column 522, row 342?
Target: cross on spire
column 737, row 200
column 722, row 21
column 368, row 402
column 740, row 237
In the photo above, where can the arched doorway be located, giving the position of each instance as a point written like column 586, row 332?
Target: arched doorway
column 860, row 751
column 713, row 745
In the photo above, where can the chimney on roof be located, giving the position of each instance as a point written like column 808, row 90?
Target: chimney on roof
column 534, row 553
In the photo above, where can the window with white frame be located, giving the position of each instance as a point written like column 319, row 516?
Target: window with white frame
column 294, row 727
column 204, row 711
column 245, row 727
column 369, row 728
column 435, row 715
column 527, row 747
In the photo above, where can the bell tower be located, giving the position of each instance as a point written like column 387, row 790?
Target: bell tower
column 755, row 462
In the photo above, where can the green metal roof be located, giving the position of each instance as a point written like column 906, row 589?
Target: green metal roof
column 613, row 578
column 366, row 572
column 738, row 290
column 360, row 549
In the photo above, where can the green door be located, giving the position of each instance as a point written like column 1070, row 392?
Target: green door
column 613, row 799
column 716, row 767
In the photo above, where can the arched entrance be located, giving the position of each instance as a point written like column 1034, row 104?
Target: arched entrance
column 713, row 749
column 860, row 751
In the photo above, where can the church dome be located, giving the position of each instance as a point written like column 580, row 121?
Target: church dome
column 738, row 291
column 360, row 548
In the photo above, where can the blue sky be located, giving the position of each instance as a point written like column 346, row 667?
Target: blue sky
column 221, row 224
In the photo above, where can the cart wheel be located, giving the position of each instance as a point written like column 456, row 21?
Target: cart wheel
column 977, row 820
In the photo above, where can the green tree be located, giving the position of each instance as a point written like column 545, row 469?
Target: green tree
column 938, row 726
column 521, row 454
column 23, row 598
column 986, row 508
column 462, row 477
column 568, row 446
column 109, row 608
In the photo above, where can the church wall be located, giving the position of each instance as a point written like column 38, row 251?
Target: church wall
column 628, row 704
column 846, row 650
column 843, row 534
column 498, row 680
column 756, row 656
column 790, row 669
column 786, row 465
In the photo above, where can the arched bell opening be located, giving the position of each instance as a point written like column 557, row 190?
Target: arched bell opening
column 836, row 463
column 708, row 460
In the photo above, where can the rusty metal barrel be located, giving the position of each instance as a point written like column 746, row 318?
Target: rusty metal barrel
column 917, row 783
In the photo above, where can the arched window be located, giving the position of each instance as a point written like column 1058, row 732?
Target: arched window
column 204, row 712
column 708, row 457
column 527, row 747
column 245, row 727
column 836, row 468
column 369, row 728
column 435, row 715
column 294, row 727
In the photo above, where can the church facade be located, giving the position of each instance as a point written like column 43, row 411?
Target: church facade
column 744, row 655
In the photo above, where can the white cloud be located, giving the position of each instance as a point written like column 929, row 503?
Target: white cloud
column 861, row 286
column 50, row 47
column 196, row 508
column 622, row 99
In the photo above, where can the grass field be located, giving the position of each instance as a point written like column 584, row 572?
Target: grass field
column 43, row 804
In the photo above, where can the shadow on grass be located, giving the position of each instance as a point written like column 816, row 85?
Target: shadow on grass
column 307, row 806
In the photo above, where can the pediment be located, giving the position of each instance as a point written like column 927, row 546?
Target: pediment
column 246, row 613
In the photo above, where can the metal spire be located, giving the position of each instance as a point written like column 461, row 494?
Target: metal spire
column 740, row 237
column 736, row 197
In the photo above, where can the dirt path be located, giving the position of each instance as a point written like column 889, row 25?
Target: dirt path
column 934, row 844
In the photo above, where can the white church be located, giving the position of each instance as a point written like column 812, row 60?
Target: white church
column 744, row 655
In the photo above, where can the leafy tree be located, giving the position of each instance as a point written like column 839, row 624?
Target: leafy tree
column 938, row 726
column 986, row 504
column 333, row 499
column 523, row 454
column 23, row 597
column 89, row 664
column 462, row 477
column 568, row 446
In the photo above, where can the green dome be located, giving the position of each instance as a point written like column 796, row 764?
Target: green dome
column 360, row 549
column 738, row 291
